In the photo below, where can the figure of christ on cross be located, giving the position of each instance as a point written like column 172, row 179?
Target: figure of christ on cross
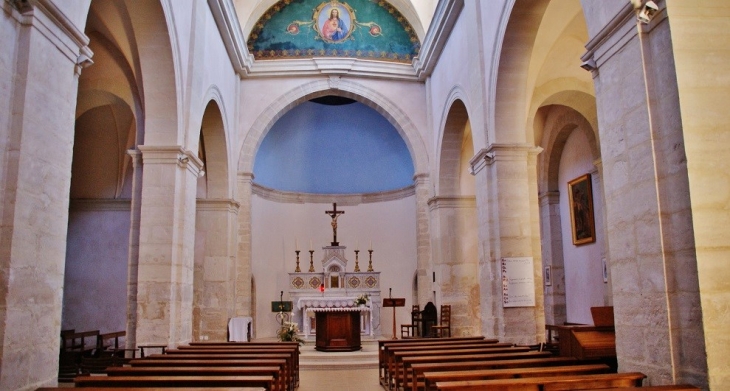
column 334, row 213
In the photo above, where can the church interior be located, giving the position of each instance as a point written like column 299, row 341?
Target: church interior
column 169, row 166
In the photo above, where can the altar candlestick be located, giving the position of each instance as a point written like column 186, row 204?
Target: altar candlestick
column 370, row 264
column 311, row 261
column 297, row 270
column 357, row 265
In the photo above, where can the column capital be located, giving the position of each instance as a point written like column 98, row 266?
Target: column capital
column 245, row 177
column 172, row 154
column 549, row 198
column 501, row 152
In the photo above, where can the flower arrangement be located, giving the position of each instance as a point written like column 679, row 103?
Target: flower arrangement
column 290, row 332
column 362, row 299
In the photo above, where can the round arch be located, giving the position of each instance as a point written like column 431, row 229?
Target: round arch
column 454, row 122
column 214, row 151
column 344, row 88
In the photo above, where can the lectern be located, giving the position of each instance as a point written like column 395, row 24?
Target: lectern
column 394, row 302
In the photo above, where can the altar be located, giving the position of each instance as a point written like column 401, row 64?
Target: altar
column 325, row 299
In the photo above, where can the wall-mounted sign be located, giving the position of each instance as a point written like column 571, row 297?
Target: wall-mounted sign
column 518, row 282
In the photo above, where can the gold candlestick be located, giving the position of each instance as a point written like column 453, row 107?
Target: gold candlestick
column 370, row 264
column 311, row 261
column 297, row 270
column 357, row 266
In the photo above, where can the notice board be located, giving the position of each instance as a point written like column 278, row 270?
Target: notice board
column 518, row 282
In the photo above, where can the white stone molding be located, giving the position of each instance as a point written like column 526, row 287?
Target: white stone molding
column 343, row 199
column 444, row 19
column 218, row 205
column 98, row 205
column 57, row 28
column 502, row 152
column 186, row 159
column 611, row 39
column 229, row 27
column 452, row 202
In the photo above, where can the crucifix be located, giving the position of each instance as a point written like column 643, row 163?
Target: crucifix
column 334, row 213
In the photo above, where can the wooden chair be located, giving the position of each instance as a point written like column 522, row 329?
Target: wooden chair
column 412, row 330
column 443, row 329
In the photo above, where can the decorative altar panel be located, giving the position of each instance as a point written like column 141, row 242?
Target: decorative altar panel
column 335, row 288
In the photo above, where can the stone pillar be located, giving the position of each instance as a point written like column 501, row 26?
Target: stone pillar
column 167, row 235
column 552, row 256
column 216, row 231
column 423, row 240
column 454, row 243
column 243, row 295
column 648, row 210
column 38, row 87
column 509, row 227
column 133, row 257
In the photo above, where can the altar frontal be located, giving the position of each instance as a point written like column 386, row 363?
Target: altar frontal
column 332, row 303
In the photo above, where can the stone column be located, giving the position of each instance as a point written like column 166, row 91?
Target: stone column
column 216, row 231
column 167, row 235
column 243, row 299
column 507, row 195
column 423, row 240
column 552, row 256
column 454, row 241
column 133, row 257
column 648, row 210
column 39, row 65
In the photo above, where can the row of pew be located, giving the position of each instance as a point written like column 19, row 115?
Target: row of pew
column 221, row 365
column 476, row 363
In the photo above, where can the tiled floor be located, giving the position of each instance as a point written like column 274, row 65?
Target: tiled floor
column 339, row 380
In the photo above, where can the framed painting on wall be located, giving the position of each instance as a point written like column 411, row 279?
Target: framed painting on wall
column 580, row 194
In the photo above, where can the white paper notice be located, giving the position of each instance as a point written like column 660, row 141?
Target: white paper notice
column 518, row 282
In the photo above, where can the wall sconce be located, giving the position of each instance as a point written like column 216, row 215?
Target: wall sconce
column 589, row 65
column 647, row 12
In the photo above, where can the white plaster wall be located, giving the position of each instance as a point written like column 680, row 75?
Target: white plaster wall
column 275, row 226
column 584, row 287
column 95, row 282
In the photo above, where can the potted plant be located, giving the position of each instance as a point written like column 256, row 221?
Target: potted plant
column 362, row 300
column 290, row 332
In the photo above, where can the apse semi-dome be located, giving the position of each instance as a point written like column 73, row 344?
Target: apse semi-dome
column 364, row 29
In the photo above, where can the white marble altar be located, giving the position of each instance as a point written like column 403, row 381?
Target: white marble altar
column 335, row 289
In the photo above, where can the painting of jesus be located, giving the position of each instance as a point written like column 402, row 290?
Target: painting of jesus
column 334, row 21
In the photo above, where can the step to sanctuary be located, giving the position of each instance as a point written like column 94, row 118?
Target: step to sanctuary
column 366, row 358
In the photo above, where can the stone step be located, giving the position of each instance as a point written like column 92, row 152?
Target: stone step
column 367, row 358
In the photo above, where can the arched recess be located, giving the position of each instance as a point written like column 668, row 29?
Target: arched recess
column 454, row 221
column 215, row 234
column 154, row 38
column 109, row 122
column 509, row 84
column 562, row 123
column 344, row 88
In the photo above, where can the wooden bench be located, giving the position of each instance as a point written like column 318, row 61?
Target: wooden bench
column 389, row 351
column 249, row 348
column 290, row 377
column 384, row 344
column 417, row 370
column 395, row 362
column 175, row 381
column 548, row 383
column 678, row 387
column 431, row 378
column 408, row 362
column 73, row 341
column 250, row 370
column 156, row 388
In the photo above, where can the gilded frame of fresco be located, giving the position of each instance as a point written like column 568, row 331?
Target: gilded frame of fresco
column 580, row 194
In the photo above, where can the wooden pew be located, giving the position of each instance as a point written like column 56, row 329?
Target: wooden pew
column 383, row 344
column 252, row 370
column 417, row 370
column 549, row 383
column 73, row 341
column 387, row 355
column 158, row 389
column 175, row 381
column 677, row 387
column 408, row 362
column 201, row 358
column 271, row 347
column 395, row 359
column 431, row 378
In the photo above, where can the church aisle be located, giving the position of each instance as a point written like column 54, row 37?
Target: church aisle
column 339, row 380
